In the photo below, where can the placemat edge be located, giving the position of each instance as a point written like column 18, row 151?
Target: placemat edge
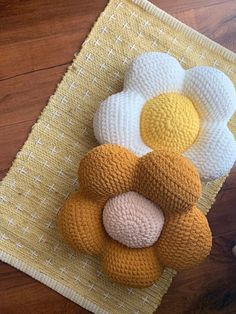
column 33, row 272
column 187, row 30
column 19, row 264
column 50, row 282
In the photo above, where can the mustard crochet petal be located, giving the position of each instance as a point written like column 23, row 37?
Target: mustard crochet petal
column 132, row 267
column 169, row 180
column 80, row 222
column 107, row 170
column 185, row 240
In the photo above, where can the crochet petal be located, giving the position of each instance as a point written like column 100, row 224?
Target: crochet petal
column 117, row 121
column 154, row 73
column 212, row 92
column 132, row 267
column 80, row 222
column 185, row 240
column 169, row 180
column 107, row 170
column 214, row 152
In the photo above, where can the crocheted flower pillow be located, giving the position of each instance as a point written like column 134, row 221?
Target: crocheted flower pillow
column 137, row 213
column 164, row 106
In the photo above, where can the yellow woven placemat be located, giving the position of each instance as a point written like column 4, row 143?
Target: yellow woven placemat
column 44, row 172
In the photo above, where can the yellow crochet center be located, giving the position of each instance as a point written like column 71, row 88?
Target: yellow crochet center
column 169, row 121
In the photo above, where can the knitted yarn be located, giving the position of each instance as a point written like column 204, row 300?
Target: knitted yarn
column 154, row 73
column 166, row 178
column 185, row 239
column 108, row 170
column 133, row 220
column 188, row 251
column 198, row 130
column 136, row 268
column 169, row 180
column 169, row 121
column 115, row 121
column 80, row 223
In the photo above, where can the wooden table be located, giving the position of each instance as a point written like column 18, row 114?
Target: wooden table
column 38, row 39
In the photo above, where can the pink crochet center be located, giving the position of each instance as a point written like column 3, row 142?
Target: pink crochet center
column 133, row 220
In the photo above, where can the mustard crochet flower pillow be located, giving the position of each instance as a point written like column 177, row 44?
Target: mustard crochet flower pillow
column 138, row 214
column 164, row 106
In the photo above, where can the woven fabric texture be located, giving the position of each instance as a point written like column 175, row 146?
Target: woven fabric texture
column 45, row 171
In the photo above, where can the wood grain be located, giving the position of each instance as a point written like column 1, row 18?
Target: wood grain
column 38, row 39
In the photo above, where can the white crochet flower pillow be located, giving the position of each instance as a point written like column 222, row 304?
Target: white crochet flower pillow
column 164, row 106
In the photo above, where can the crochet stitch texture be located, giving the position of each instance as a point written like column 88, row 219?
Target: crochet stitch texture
column 119, row 222
column 193, row 122
column 169, row 121
column 164, row 178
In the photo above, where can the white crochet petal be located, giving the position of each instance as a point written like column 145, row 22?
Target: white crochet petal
column 154, row 73
column 214, row 152
column 212, row 92
column 117, row 121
